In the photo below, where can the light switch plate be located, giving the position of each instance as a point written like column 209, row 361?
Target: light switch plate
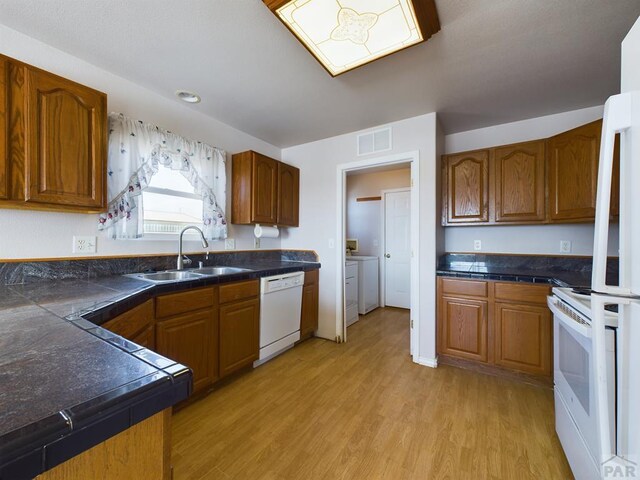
column 477, row 245
column 84, row 244
column 230, row 244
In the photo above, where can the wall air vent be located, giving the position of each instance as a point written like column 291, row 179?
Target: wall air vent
column 374, row 142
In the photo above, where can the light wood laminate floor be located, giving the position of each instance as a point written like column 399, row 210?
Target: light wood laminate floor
column 363, row 410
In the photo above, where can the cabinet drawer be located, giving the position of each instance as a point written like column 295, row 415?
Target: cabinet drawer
column 238, row 291
column 189, row 301
column 472, row 288
column 522, row 293
column 132, row 323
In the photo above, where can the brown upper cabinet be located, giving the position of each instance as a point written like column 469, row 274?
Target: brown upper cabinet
column 466, row 192
column 288, row 194
column 573, row 173
column 53, row 155
column 264, row 191
column 552, row 180
column 519, row 182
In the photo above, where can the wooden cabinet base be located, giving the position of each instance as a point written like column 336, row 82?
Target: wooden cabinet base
column 142, row 451
column 499, row 324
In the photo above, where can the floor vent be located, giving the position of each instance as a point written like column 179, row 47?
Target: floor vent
column 374, row 142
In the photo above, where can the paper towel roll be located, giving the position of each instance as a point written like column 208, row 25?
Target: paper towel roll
column 266, row 232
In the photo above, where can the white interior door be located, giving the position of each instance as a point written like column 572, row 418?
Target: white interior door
column 397, row 248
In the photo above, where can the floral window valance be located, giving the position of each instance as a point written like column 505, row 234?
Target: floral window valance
column 136, row 149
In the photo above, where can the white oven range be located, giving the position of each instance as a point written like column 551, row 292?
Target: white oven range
column 575, row 380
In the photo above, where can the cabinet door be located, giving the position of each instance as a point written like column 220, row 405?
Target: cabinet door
column 239, row 335
column 192, row 339
column 265, row 190
column 310, row 301
column 523, row 338
column 573, row 173
column 66, row 142
column 519, row 182
column 463, row 328
column 467, row 187
column 136, row 325
column 288, row 194
column 4, row 132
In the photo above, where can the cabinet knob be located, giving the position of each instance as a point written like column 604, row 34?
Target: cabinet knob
column 387, row 255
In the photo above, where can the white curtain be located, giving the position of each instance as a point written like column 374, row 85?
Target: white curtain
column 136, row 149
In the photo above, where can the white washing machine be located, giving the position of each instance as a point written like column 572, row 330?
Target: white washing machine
column 368, row 283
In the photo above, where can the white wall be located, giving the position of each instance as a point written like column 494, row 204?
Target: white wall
column 538, row 239
column 26, row 234
column 364, row 219
column 630, row 55
column 318, row 163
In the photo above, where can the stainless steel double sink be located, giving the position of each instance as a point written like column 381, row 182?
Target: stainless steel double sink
column 186, row 275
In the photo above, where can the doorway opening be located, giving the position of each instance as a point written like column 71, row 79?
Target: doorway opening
column 378, row 240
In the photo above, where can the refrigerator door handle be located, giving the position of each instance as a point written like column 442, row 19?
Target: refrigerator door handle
column 617, row 119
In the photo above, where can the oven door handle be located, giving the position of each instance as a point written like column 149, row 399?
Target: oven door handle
column 580, row 328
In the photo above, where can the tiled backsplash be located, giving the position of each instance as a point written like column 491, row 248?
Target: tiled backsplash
column 531, row 263
column 27, row 272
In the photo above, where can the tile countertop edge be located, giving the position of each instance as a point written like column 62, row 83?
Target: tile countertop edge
column 41, row 445
column 505, row 277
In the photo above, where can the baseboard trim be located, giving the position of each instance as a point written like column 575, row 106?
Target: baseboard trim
column 428, row 362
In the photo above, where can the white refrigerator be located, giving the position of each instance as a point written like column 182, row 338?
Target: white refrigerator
column 596, row 349
column 621, row 453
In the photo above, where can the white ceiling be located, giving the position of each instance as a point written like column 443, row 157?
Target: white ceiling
column 494, row 61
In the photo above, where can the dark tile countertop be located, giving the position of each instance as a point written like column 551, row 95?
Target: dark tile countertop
column 66, row 384
column 552, row 270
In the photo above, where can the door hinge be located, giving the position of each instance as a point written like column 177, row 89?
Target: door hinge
column 412, row 323
column 412, row 182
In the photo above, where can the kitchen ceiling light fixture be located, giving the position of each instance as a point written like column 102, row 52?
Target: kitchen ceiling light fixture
column 187, row 96
column 346, row 34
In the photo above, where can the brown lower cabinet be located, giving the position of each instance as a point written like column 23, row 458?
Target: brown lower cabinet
column 138, row 325
column 240, row 330
column 464, row 328
column 142, row 451
column 310, row 301
column 496, row 323
column 187, row 332
column 213, row 330
column 192, row 339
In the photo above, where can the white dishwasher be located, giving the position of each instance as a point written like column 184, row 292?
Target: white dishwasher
column 280, row 309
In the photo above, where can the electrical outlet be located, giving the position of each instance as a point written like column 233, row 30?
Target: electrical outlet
column 230, row 244
column 477, row 245
column 256, row 243
column 84, row 244
column 565, row 246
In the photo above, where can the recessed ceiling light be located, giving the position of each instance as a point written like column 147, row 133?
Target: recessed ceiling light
column 346, row 34
column 187, row 96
